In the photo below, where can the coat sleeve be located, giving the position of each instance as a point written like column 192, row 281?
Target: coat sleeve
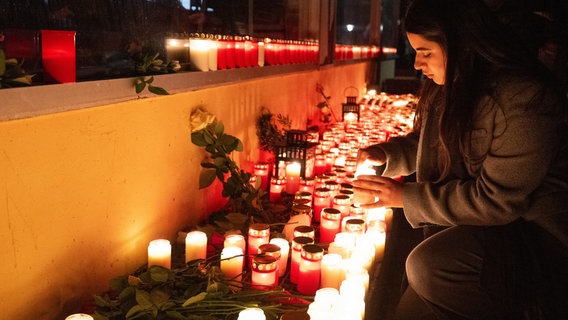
column 521, row 143
column 401, row 155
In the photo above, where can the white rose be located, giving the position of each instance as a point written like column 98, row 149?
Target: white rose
column 200, row 119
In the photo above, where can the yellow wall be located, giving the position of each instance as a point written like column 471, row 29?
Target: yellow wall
column 83, row 192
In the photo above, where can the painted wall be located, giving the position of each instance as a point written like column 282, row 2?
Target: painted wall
column 83, row 192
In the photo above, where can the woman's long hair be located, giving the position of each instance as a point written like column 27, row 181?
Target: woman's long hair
column 477, row 47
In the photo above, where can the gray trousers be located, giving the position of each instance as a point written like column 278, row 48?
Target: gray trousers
column 515, row 271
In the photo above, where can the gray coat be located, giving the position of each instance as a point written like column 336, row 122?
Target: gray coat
column 514, row 164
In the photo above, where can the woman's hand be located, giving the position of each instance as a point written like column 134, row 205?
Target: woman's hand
column 371, row 155
column 385, row 192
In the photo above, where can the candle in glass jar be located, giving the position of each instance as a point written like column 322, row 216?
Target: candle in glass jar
column 319, row 164
column 276, row 187
column 160, row 253
column 273, row 250
column 231, row 263
column 235, row 240
column 330, row 224
column 297, row 244
column 79, row 316
column 304, row 195
column 284, row 253
column 199, row 54
column 321, row 200
column 309, row 275
column 258, row 234
column 293, row 177
column 332, row 272
column 251, row 314
column 342, row 203
column 264, row 271
column 307, row 185
column 195, row 246
column 304, row 231
column 261, row 171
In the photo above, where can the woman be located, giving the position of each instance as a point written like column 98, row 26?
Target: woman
column 491, row 161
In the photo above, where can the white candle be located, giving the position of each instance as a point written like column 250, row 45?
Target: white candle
column 352, row 289
column 195, row 245
column 350, row 117
column 251, row 314
column 199, row 54
column 261, row 54
column 79, row 316
column 331, row 271
column 160, row 253
column 293, row 177
column 284, row 253
column 232, row 263
column 327, row 295
column 235, row 240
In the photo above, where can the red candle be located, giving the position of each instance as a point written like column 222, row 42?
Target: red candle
column 296, row 256
column 309, row 276
column 276, row 187
column 258, row 234
column 58, row 55
column 230, row 54
column 321, row 200
column 333, row 187
column 273, row 250
column 307, row 185
column 304, row 195
column 261, row 171
column 305, row 231
column 264, row 271
column 330, row 224
column 240, row 55
column 342, row 203
column 222, row 54
column 319, row 165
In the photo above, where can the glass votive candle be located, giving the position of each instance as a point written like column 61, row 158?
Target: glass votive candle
column 332, row 272
column 277, row 185
column 296, row 256
column 320, row 181
column 333, row 187
column 354, row 225
column 195, row 246
column 304, row 195
column 319, row 165
column 342, row 203
column 252, row 314
column 273, row 250
column 330, row 224
column 292, row 177
column 258, row 234
column 305, row 231
column 322, row 200
column 235, row 240
column 352, row 290
column 261, row 170
column 231, row 263
column 79, row 316
column 284, row 253
column 307, row 185
column 264, row 271
column 327, row 294
column 160, row 253
column 309, row 275
column 302, row 209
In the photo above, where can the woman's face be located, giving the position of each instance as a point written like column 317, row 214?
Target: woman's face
column 430, row 58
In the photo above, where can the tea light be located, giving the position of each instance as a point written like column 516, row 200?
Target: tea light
column 309, row 275
column 332, row 272
column 261, row 171
column 293, row 177
column 276, row 187
column 258, row 234
column 284, row 253
column 235, row 240
column 80, row 316
column 195, row 246
column 264, row 271
column 297, row 244
column 231, row 263
column 160, row 253
column 251, row 314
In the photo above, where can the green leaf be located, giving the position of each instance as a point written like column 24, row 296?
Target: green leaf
column 206, row 178
column 174, row 315
column 209, row 165
column 158, row 90
column 322, row 104
column 198, row 139
column 195, row 299
column 140, row 85
column 236, row 218
column 149, row 80
column 219, row 128
column 143, row 298
column 159, row 274
column 239, row 146
column 159, row 296
column 220, row 162
column 227, row 140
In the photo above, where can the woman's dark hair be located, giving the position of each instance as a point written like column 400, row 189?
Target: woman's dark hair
column 477, row 47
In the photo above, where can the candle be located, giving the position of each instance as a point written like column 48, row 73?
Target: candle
column 342, row 203
column 231, row 263
column 212, row 51
column 333, row 187
column 251, row 314
column 321, row 200
column 199, row 54
column 304, row 195
column 331, row 270
column 195, row 246
column 353, row 224
column 58, row 56
column 319, row 165
column 160, row 253
column 307, row 185
column 305, row 231
column 330, row 224
column 261, row 54
column 327, row 294
column 297, row 244
column 309, row 275
column 235, row 240
column 261, row 171
column 273, row 250
column 79, row 316
column 284, row 253
column 320, row 310
column 293, row 177
column 276, row 187
column 258, row 234
column 264, row 271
